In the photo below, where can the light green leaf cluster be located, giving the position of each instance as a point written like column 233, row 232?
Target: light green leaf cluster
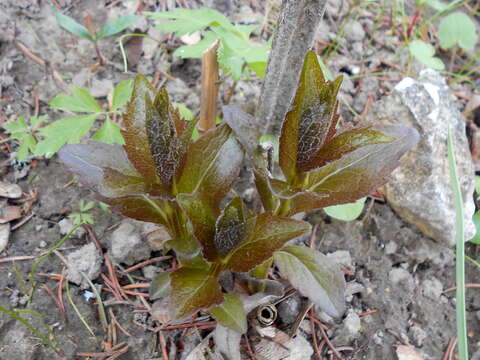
column 83, row 216
column 236, row 51
column 457, row 29
column 346, row 212
column 47, row 140
column 111, row 28
column 425, row 53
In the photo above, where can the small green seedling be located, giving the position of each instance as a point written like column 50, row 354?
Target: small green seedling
column 83, row 215
column 457, row 29
column 26, row 133
column 425, row 53
column 236, row 51
column 161, row 175
column 89, row 33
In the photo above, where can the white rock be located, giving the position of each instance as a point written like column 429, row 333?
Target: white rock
column 86, row 260
column 420, row 189
column 4, row 236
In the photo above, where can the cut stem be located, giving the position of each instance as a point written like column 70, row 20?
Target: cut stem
column 210, row 84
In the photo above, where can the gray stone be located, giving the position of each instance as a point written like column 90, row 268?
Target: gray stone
column 350, row 329
column 354, row 31
column 420, row 189
column 289, row 309
column 342, row 257
column 67, row 224
column 4, row 236
column 432, row 288
column 418, row 335
column 11, row 191
column 398, row 275
column 86, row 260
column 127, row 245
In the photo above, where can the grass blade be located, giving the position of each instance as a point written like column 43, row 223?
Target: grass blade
column 16, row 316
column 460, row 252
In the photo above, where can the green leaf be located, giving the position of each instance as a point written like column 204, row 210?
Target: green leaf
column 67, row 130
column 116, row 26
column 230, row 226
column 264, row 234
column 229, row 60
column 259, row 68
column 195, row 51
column 35, row 121
column 121, row 94
column 315, row 277
column 80, row 101
column 19, row 126
column 71, row 25
column 187, row 21
column 476, row 221
column 212, row 165
column 477, row 185
column 457, row 29
column 312, row 119
column 27, row 146
column 109, row 133
column 137, row 145
column 231, row 314
column 194, row 289
column 184, row 111
column 424, row 52
column 346, row 212
column 160, row 286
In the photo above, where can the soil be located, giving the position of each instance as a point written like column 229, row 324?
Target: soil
column 403, row 276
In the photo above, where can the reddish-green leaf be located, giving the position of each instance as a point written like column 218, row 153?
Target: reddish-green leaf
column 244, row 126
column 106, row 169
column 230, row 226
column 135, row 134
column 315, row 276
column 212, row 165
column 265, row 233
column 360, row 172
column 262, row 182
column 344, row 143
column 231, row 314
column 194, row 289
column 160, row 286
column 202, row 217
column 312, row 119
column 162, row 137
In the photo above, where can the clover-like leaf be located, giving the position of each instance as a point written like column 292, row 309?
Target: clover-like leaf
column 231, row 314
column 80, row 101
column 194, row 289
column 212, row 165
column 425, row 53
column 457, row 29
column 137, row 145
column 315, row 276
column 312, row 119
column 230, row 226
column 264, row 234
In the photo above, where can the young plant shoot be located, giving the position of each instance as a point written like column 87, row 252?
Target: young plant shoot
column 162, row 176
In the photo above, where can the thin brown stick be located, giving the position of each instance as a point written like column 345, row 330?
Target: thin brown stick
column 117, row 324
column 146, row 262
column 466, row 285
column 249, row 348
column 163, row 345
column 16, row 258
column 208, row 107
column 450, row 347
column 325, row 336
column 314, row 339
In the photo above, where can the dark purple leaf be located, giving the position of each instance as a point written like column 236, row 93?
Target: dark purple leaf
column 230, row 226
